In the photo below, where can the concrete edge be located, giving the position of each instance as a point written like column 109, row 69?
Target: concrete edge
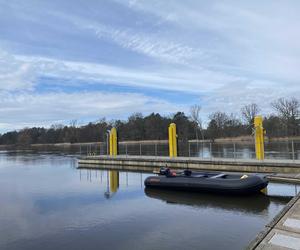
column 262, row 235
column 283, row 179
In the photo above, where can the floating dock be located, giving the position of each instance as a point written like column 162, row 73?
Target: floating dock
column 150, row 163
column 283, row 232
column 286, row 171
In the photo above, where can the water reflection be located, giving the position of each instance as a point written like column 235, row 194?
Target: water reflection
column 250, row 204
column 112, row 183
column 111, row 177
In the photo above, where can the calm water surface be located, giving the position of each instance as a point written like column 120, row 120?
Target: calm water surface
column 46, row 203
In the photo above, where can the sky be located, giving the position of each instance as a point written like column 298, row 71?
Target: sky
column 64, row 60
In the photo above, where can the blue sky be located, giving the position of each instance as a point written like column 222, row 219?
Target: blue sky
column 62, row 60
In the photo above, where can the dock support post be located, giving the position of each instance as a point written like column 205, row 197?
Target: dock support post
column 172, row 140
column 259, row 138
column 113, row 142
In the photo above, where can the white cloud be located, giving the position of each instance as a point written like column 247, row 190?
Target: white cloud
column 15, row 74
column 150, row 44
column 257, row 39
column 33, row 109
column 166, row 79
column 232, row 97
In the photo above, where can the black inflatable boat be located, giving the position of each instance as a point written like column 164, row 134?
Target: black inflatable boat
column 207, row 182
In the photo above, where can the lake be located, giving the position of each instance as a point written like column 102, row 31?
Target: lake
column 47, row 203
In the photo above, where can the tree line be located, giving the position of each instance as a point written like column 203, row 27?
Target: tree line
column 283, row 122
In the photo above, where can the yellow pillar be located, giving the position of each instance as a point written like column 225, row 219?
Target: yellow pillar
column 113, row 142
column 259, row 138
column 172, row 140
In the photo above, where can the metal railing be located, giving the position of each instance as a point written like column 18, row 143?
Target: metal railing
column 237, row 150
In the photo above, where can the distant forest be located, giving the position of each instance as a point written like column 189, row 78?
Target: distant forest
column 283, row 122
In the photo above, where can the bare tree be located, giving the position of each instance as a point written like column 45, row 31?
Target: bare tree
column 249, row 112
column 73, row 123
column 57, row 126
column 289, row 111
column 287, row 108
column 195, row 117
column 220, row 119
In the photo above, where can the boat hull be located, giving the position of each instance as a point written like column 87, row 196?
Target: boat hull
column 249, row 185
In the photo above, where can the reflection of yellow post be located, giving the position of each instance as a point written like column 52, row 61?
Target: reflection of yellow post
column 259, row 138
column 113, row 142
column 172, row 140
column 113, row 181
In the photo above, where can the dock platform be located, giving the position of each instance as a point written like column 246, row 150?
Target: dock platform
column 151, row 163
column 283, row 232
column 285, row 171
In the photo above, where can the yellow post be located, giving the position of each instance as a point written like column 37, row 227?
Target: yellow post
column 172, row 140
column 259, row 138
column 113, row 142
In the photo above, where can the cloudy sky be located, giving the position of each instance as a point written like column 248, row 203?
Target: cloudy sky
column 62, row 60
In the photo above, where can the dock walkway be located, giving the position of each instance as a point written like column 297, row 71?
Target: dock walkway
column 212, row 164
column 283, row 232
column 286, row 171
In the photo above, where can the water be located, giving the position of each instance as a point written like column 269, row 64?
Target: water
column 46, row 203
column 238, row 150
